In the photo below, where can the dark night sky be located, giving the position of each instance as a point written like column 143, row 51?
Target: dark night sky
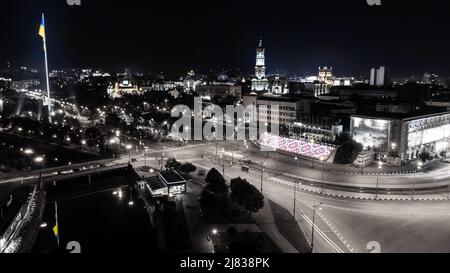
column 174, row 36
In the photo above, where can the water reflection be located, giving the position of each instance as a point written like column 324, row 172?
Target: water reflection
column 102, row 220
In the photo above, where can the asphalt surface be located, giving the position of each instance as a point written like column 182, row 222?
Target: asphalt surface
column 342, row 225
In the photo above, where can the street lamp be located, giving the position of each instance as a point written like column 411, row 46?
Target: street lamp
column 262, row 173
column 393, row 146
column 131, row 202
column 315, row 207
column 39, row 160
column 419, row 168
column 222, row 159
column 215, row 142
column 322, row 160
column 380, row 166
column 210, row 237
column 162, row 158
column 145, row 156
column 28, row 152
column 129, row 147
column 295, row 189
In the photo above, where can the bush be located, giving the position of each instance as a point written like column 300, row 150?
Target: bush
column 173, row 164
column 347, row 152
column 425, row 156
column 187, row 168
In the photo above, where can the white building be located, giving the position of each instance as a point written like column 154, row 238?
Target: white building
column 274, row 107
column 260, row 82
column 378, row 76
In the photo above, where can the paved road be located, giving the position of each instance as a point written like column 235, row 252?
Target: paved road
column 349, row 225
column 435, row 177
column 342, row 225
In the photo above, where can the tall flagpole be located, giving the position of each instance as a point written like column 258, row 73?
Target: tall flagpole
column 49, row 101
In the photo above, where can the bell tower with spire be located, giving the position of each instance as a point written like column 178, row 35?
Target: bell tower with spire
column 260, row 69
column 260, row 82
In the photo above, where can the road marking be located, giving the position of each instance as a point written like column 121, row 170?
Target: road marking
column 323, row 235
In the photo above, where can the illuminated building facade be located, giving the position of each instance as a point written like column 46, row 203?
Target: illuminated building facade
column 378, row 76
column 279, row 86
column 260, row 82
column 403, row 138
column 283, row 109
column 123, row 87
column 219, row 90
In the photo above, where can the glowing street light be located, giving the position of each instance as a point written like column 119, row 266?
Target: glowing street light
column 28, row 152
column 39, row 160
column 295, row 188
column 419, row 168
column 380, row 166
column 129, row 147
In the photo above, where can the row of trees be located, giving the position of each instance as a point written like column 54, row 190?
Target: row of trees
column 216, row 194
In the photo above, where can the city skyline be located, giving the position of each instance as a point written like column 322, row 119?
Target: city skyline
column 196, row 37
column 231, row 128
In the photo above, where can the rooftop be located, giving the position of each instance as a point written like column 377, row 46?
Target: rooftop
column 424, row 112
column 155, row 183
column 171, row 177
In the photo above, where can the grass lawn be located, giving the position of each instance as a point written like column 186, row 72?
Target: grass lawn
column 289, row 229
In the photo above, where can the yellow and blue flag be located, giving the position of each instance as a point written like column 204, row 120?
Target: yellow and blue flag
column 42, row 28
column 56, row 228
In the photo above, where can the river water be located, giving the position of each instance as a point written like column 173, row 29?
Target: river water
column 106, row 217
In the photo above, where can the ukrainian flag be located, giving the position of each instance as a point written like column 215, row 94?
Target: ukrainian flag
column 56, row 228
column 56, row 232
column 42, row 28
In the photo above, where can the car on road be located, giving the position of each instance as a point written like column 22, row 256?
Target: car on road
column 201, row 173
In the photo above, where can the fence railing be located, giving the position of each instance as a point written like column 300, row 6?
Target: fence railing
column 10, row 240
